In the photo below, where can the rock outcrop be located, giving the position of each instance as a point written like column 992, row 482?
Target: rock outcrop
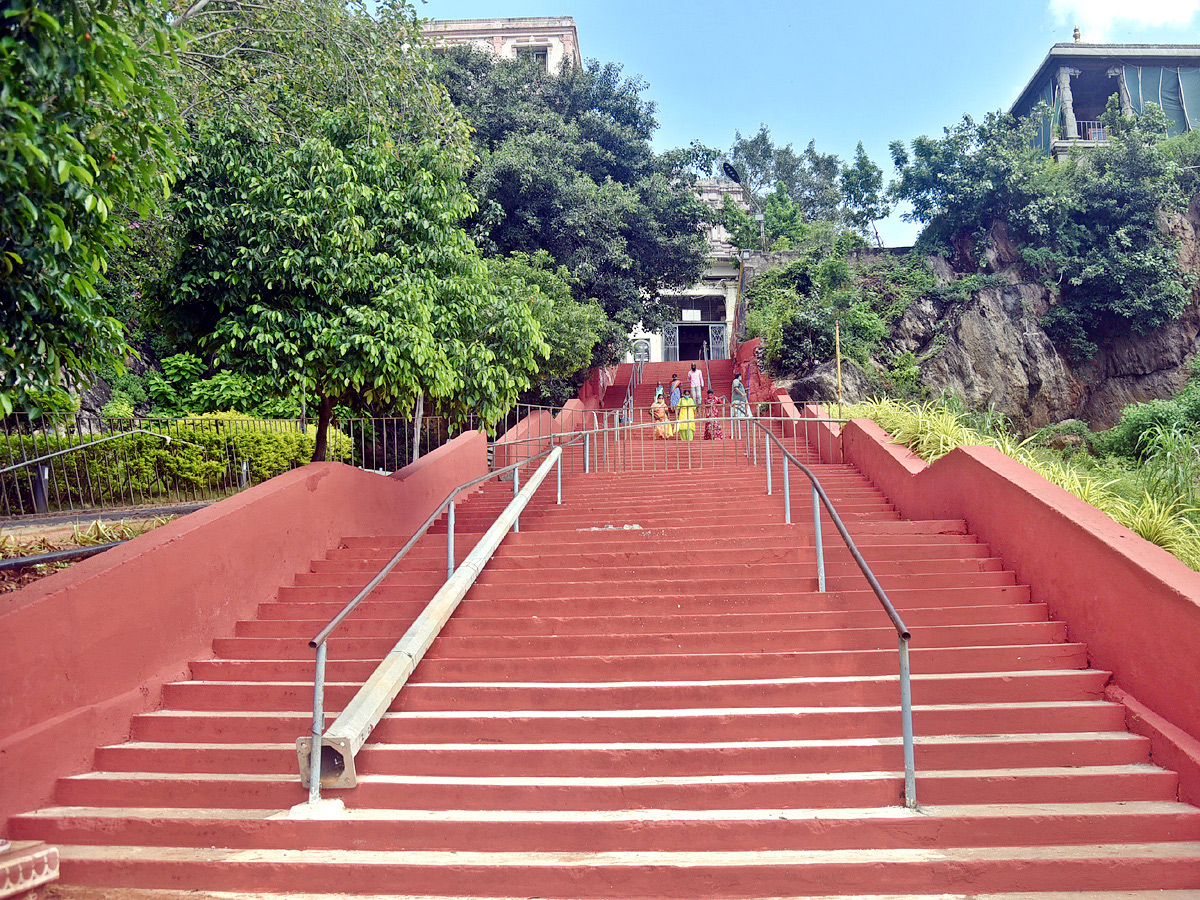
column 990, row 348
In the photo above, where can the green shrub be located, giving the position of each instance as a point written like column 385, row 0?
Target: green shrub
column 203, row 457
column 932, row 430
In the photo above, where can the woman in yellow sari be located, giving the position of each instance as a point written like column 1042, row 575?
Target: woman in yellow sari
column 686, row 422
column 663, row 429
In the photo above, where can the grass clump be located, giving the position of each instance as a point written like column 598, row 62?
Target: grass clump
column 1156, row 500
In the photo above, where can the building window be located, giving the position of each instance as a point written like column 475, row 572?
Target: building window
column 538, row 55
column 702, row 309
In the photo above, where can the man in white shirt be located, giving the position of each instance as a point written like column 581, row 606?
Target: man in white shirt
column 696, row 383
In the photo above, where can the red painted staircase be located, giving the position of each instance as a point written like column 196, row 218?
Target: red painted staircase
column 644, row 695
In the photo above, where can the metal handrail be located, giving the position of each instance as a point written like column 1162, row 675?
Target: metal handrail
column 324, row 633
column 910, row 782
column 635, row 379
column 319, row 642
column 707, row 371
column 111, row 437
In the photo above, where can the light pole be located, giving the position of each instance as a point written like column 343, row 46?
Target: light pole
column 732, row 174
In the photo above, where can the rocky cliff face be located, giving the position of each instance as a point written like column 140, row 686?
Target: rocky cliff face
column 991, row 349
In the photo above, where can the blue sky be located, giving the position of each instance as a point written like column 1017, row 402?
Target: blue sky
column 835, row 72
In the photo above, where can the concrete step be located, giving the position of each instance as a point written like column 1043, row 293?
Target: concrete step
column 734, row 874
column 667, row 644
column 933, row 752
column 368, row 622
column 326, row 601
column 296, row 696
column 785, row 791
column 687, row 725
column 680, row 667
column 584, row 831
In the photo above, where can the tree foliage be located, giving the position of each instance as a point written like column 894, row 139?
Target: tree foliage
column 808, row 178
column 88, row 136
column 863, row 195
column 571, row 328
column 1090, row 227
column 340, row 262
column 566, row 167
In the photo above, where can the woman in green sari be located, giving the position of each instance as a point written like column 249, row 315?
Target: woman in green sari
column 685, row 425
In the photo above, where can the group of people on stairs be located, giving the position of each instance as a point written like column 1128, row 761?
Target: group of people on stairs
column 676, row 417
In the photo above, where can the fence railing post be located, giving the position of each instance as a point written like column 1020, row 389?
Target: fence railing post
column 817, row 537
column 516, row 490
column 910, row 766
column 318, row 726
column 787, row 494
column 450, row 540
column 767, row 451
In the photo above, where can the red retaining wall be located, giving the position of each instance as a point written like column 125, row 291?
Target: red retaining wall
column 1136, row 606
column 85, row 649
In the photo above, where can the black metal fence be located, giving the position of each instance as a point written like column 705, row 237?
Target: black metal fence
column 69, row 463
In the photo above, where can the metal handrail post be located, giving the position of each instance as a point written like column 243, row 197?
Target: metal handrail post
column 318, row 726
column 910, row 779
column 587, row 453
column 787, row 494
column 767, row 450
column 910, row 765
column 516, row 490
column 558, row 475
column 450, row 540
column 817, row 535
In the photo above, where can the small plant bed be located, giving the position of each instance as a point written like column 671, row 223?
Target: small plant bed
column 1146, row 495
column 36, row 540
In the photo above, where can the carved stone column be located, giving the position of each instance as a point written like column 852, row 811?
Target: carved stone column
column 1071, row 127
column 1118, row 72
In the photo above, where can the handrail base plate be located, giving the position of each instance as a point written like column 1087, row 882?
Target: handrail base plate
column 337, row 765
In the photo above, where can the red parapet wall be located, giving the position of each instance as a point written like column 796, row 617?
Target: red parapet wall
column 1136, row 606
column 85, row 649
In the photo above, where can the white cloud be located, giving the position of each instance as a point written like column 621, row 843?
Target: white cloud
column 1096, row 18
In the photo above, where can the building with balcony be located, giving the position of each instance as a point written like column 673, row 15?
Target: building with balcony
column 1075, row 81
column 547, row 40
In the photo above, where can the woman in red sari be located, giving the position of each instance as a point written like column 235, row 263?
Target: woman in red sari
column 714, row 406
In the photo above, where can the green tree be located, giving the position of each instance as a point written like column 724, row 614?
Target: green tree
column 863, row 194
column 784, row 225
column 571, row 329
column 566, row 167
column 89, row 134
column 808, row 178
column 340, row 263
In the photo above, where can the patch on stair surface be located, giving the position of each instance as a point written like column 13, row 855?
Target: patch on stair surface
column 612, row 528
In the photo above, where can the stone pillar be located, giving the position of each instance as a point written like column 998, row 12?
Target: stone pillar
column 1071, row 127
column 1118, row 72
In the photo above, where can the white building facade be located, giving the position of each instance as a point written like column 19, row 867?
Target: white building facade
column 547, row 40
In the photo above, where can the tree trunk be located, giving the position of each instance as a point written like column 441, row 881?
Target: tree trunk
column 324, row 414
column 417, row 414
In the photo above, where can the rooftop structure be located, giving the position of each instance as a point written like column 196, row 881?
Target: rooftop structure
column 1075, row 80
column 547, row 40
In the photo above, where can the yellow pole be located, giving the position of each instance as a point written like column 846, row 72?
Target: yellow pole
column 837, row 346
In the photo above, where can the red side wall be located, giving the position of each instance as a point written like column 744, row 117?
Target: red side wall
column 88, row 647
column 1135, row 606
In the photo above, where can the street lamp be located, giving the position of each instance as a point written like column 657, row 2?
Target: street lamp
column 732, row 174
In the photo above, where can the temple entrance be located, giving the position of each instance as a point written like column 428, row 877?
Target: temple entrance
column 691, row 341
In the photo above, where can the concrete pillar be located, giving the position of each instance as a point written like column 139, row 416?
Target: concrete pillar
column 1071, row 127
column 1118, row 72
